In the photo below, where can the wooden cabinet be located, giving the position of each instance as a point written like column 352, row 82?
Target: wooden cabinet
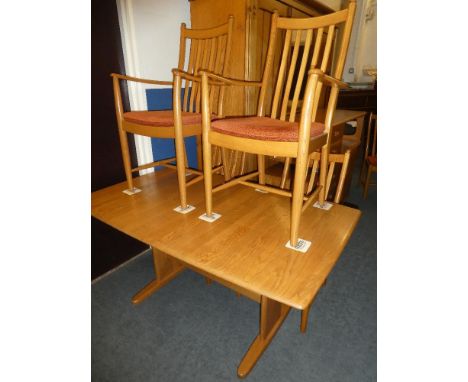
column 358, row 99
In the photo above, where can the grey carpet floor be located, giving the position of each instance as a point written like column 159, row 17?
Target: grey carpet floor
column 190, row 331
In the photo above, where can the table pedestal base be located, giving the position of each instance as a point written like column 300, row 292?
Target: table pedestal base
column 272, row 315
column 166, row 269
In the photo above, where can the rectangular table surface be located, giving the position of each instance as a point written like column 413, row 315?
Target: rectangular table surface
column 246, row 246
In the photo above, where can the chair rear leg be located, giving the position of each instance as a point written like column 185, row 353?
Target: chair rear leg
column 261, row 168
column 366, row 185
column 226, row 164
column 284, row 176
column 323, row 174
column 199, row 152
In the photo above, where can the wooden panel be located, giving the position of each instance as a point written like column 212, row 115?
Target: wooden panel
column 246, row 247
column 358, row 99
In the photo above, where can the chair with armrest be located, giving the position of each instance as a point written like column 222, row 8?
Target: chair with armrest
column 333, row 160
column 279, row 134
column 209, row 48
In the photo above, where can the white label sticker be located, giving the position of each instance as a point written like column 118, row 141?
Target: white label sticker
column 302, row 245
column 210, row 219
column 326, row 206
column 185, row 210
column 132, row 191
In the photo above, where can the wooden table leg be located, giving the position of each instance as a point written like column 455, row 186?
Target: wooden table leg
column 305, row 313
column 272, row 315
column 166, row 269
column 305, row 318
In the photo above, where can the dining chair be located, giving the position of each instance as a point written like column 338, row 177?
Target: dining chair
column 333, row 160
column 337, row 166
column 370, row 154
column 209, row 49
column 279, row 134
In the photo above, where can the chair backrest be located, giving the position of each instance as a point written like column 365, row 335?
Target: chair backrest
column 307, row 43
column 209, row 49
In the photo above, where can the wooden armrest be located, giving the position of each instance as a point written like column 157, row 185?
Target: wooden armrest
column 143, row 80
column 230, row 81
column 328, row 79
column 186, row 75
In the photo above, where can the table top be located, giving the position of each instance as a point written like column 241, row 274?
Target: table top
column 246, row 246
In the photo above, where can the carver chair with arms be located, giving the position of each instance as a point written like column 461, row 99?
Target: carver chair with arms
column 279, row 134
column 209, row 49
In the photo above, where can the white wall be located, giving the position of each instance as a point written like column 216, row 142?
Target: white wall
column 157, row 32
column 333, row 4
column 362, row 51
column 366, row 50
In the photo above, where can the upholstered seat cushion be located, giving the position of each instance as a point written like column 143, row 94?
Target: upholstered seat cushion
column 372, row 159
column 263, row 128
column 161, row 118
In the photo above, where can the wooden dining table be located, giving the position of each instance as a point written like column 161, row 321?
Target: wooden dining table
column 244, row 250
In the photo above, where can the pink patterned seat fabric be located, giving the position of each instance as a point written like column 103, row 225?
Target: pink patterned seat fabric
column 264, row 128
column 161, row 118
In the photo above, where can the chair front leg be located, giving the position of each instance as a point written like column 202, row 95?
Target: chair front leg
column 297, row 197
column 207, row 174
column 126, row 158
column 179, row 143
column 180, row 162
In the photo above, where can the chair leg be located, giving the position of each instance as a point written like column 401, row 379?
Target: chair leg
column 366, row 185
column 185, row 156
column 199, row 152
column 226, row 164
column 362, row 172
column 179, row 143
column 261, row 168
column 180, row 162
column 126, row 157
column 305, row 318
column 287, row 163
column 323, row 174
column 297, row 197
column 208, row 176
